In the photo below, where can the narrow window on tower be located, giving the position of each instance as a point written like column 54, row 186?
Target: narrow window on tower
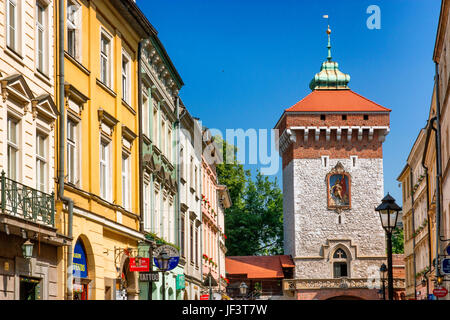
column 344, row 117
column 366, row 117
column 354, row 161
column 325, row 161
column 322, row 117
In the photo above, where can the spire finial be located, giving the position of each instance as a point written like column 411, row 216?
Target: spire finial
column 329, row 40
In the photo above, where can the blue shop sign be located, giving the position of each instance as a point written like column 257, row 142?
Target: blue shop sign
column 79, row 261
column 446, row 266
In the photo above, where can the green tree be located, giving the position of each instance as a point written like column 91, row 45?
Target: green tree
column 397, row 241
column 254, row 222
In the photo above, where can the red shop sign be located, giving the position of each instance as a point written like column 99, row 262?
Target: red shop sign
column 440, row 292
column 140, row 264
column 204, row 297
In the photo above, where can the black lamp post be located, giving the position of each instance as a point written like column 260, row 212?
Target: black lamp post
column 163, row 263
column 383, row 270
column 388, row 211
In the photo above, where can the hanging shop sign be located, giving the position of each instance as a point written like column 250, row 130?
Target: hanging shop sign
column 440, row 292
column 139, row 264
column 180, row 283
column 149, row 276
column 79, row 261
column 445, row 264
column 174, row 256
column 204, row 297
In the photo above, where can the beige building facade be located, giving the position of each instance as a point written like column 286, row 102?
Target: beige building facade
column 27, row 159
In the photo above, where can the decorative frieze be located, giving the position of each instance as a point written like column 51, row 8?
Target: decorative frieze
column 338, row 283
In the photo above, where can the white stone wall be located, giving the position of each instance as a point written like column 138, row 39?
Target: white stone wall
column 317, row 232
column 288, row 210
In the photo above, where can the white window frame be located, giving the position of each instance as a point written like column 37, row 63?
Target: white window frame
column 155, row 120
column 146, row 113
column 72, row 151
column 105, row 184
column 14, row 25
column 41, row 30
column 107, row 57
column 156, row 209
column 74, row 27
column 13, row 148
column 163, row 134
column 126, row 181
column 41, row 161
column 146, row 205
column 169, row 141
column 126, row 77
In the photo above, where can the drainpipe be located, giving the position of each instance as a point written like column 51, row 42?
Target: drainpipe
column 64, row 199
column 430, row 262
column 414, row 228
column 439, row 168
column 140, row 142
column 177, row 128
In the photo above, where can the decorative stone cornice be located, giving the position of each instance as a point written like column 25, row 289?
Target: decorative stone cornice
column 338, row 283
column 107, row 119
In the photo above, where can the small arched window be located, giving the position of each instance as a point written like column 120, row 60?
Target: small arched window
column 340, row 264
column 340, row 254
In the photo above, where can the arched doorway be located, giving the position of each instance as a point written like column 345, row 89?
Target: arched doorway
column 81, row 275
column 128, row 281
column 345, row 297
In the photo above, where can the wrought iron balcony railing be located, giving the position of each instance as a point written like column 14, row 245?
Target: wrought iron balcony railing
column 27, row 203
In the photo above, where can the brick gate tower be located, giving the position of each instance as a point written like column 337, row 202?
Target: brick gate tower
column 331, row 146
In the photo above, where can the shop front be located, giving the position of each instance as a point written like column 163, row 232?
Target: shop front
column 81, row 280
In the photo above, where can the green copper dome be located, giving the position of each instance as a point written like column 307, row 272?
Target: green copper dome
column 329, row 77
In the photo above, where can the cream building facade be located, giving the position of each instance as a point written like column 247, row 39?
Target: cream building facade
column 27, row 159
column 441, row 57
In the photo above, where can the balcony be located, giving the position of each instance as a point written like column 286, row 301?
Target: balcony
column 26, row 203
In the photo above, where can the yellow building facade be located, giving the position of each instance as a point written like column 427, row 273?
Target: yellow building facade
column 101, row 155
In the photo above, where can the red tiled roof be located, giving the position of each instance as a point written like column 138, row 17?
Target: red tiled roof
column 336, row 101
column 258, row 267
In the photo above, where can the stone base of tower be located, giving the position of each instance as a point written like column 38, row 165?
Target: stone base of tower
column 337, row 289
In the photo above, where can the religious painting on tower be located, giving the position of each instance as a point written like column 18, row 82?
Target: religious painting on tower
column 338, row 188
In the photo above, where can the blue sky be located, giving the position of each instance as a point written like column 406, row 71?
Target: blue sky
column 244, row 62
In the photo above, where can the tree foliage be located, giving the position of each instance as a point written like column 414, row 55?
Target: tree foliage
column 254, row 222
column 397, row 241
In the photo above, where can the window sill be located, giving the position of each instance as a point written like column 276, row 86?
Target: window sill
column 43, row 77
column 130, row 108
column 77, row 63
column 106, row 88
column 146, row 139
column 13, row 54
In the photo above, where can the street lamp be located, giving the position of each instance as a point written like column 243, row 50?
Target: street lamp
column 243, row 289
column 383, row 270
column 27, row 249
column 163, row 265
column 388, row 211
